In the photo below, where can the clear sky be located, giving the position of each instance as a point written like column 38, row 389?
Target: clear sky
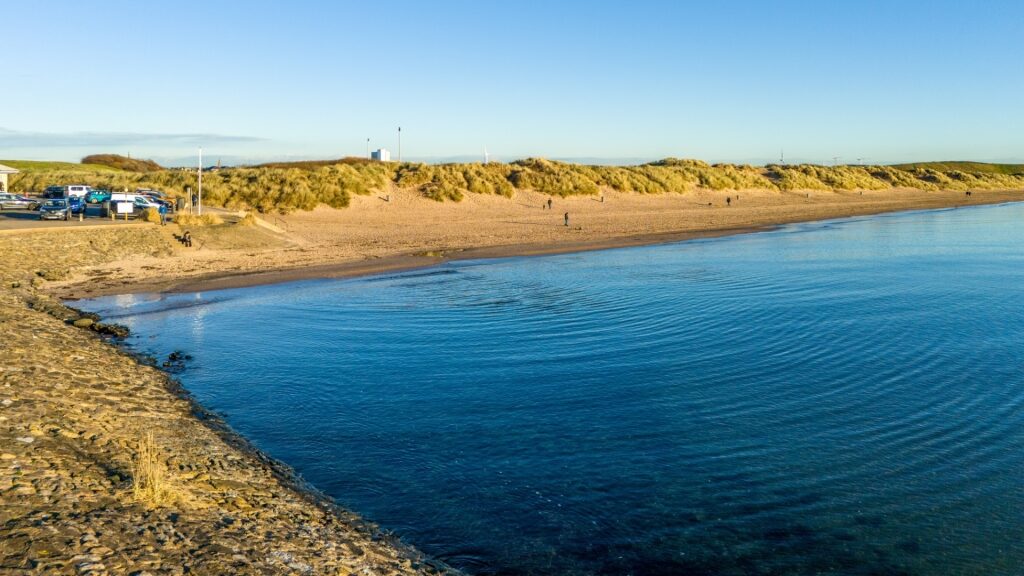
column 886, row 81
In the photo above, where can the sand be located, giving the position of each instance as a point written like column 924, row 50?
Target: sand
column 374, row 235
column 73, row 411
column 73, row 407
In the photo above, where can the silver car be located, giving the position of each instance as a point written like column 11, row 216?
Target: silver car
column 9, row 201
column 56, row 209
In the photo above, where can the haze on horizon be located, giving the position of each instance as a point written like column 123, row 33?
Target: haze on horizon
column 727, row 81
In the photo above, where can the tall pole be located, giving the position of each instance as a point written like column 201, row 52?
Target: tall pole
column 367, row 148
column 200, row 207
column 399, row 144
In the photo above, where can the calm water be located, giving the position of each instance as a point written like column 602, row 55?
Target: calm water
column 832, row 398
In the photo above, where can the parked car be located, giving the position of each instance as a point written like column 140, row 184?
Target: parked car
column 53, row 192
column 142, row 202
column 8, row 201
column 54, row 209
column 79, row 190
column 97, row 196
column 159, row 202
column 76, row 204
column 151, row 192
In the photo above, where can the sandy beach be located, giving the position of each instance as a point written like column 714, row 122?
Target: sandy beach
column 402, row 230
column 74, row 408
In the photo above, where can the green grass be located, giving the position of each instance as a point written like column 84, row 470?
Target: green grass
column 967, row 167
column 48, row 166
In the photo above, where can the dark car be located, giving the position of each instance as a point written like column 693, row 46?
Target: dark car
column 8, row 201
column 54, row 209
column 151, row 192
column 53, row 192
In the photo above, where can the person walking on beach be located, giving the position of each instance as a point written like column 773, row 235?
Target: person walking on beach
column 728, row 201
column 163, row 214
column 567, row 219
column 549, row 203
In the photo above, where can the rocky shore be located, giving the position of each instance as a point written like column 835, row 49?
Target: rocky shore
column 78, row 420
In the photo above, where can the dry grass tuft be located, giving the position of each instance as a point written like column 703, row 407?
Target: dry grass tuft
column 151, row 482
column 196, row 220
column 247, row 220
column 150, row 215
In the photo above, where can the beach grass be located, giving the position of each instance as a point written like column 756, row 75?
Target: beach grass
column 286, row 187
column 151, row 482
column 197, row 220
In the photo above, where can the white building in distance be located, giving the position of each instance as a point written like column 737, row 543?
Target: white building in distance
column 4, row 172
column 381, row 155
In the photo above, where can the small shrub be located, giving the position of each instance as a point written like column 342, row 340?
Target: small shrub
column 247, row 220
column 151, row 483
column 196, row 220
column 150, row 215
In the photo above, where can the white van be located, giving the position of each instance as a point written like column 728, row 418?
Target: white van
column 79, row 190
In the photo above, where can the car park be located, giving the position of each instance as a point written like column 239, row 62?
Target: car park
column 14, row 201
column 97, row 196
column 54, row 209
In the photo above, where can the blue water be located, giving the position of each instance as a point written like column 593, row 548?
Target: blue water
column 843, row 397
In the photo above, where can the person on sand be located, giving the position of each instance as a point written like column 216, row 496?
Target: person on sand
column 549, row 203
column 163, row 214
column 567, row 219
column 728, row 201
column 186, row 239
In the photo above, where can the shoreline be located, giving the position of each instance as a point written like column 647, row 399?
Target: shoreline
column 75, row 412
column 402, row 262
column 84, row 419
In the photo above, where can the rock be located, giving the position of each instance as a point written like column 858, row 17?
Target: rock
column 84, row 322
column 25, row 439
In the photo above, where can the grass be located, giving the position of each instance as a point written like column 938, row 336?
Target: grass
column 48, row 166
column 151, row 481
column 197, row 220
column 150, row 215
column 284, row 187
column 966, row 167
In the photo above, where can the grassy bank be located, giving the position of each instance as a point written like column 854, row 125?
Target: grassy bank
column 285, row 187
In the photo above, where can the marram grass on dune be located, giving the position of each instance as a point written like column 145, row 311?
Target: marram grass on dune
column 286, row 187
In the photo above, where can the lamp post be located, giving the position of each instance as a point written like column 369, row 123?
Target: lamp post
column 399, row 144
column 199, row 210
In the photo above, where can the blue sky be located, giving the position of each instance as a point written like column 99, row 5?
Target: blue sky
column 722, row 81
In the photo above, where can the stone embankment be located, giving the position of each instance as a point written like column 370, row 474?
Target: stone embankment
column 106, row 467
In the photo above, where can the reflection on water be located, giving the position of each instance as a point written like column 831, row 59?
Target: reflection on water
column 837, row 398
